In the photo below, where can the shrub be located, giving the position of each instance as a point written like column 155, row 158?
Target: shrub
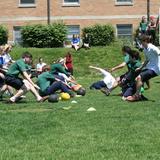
column 100, row 35
column 3, row 35
column 44, row 35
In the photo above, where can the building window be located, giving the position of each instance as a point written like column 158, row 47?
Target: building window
column 74, row 29
column 27, row 3
column 71, row 2
column 124, row 31
column 124, row 2
column 17, row 37
column 71, row 29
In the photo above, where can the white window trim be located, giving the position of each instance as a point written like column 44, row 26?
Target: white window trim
column 14, row 33
column 26, row 5
column 124, row 3
column 76, row 4
column 123, row 34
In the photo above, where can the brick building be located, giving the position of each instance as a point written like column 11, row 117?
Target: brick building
column 124, row 15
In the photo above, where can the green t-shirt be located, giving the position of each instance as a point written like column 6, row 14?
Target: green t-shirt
column 17, row 68
column 131, row 64
column 57, row 67
column 135, row 64
column 127, row 60
column 143, row 26
column 44, row 81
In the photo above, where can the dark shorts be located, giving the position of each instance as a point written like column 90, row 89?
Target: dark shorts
column 14, row 82
column 130, row 91
column 147, row 74
column 1, row 82
column 98, row 85
column 55, row 86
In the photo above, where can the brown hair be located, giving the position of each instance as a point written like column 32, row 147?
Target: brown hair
column 46, row 68
column 145, row 38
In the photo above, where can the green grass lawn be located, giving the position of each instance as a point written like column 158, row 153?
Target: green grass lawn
column 117, row 130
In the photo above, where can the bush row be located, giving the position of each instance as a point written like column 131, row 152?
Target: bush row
column 54, row 35
column 44, row 35
column 3, row 35
column 100, row 35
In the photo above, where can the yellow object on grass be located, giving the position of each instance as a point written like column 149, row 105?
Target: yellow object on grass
column 65, row 96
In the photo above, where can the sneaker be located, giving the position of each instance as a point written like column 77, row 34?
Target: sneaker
column 106, row 91
column 134, row 98
column 124, row 98
column 19, row 98
column 143, row 98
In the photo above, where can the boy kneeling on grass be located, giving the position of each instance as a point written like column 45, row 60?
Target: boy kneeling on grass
column 22, row 85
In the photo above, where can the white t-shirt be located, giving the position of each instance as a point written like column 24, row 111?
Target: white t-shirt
column 109, row 80
column 6, row 58
column 152, row 54
column 40, row 66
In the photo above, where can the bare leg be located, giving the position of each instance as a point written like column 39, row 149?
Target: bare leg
column 139, row 84
column 25, row 88
column 17, row 95
column 30, row 87
column 3, row 89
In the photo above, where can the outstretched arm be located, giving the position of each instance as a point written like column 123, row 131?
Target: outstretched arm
column 97, row 68
column 103, row 71
column 118, row 66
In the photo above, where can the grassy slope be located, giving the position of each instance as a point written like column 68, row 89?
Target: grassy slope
column 116, row 131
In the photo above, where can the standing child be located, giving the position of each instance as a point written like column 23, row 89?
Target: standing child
column 152, row 29
column 68, row 62
column 143, row 26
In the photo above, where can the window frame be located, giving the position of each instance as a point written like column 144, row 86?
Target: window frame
column 78, row 27
column 30, row 5
column 14, row 37
column 124, row 3
column 71, row 4
column 124, row 35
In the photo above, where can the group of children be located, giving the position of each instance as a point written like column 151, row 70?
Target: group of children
column 58, row 77
column 147, row 28
column 51, row 79
column 138, row 73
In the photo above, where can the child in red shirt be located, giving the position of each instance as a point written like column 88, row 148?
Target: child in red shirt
column 68, row 62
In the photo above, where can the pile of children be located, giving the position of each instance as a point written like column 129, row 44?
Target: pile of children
column 138, row 73
column 58, row 77
column 51, row 79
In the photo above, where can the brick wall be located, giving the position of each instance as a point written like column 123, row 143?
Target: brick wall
column 87, row 13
